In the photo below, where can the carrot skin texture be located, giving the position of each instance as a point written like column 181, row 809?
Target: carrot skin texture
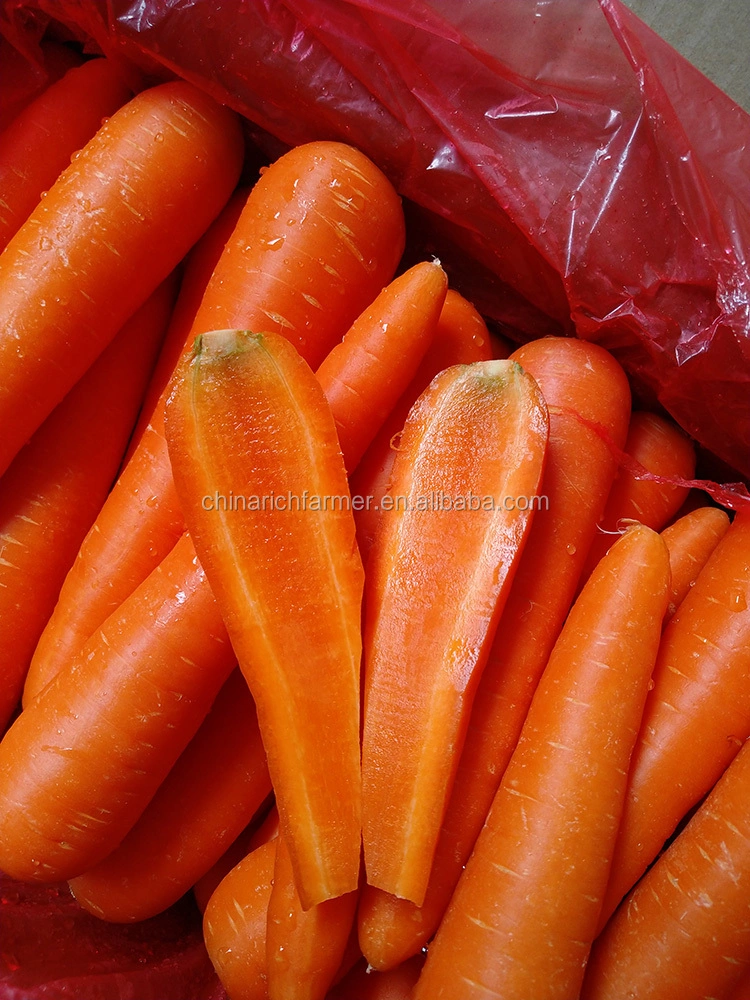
column 364, row 376
column 209, row 796
column 690, row 541
column 247, row 409
column 431, row 608
column 54, row 488
column 581, row 382
column 74, row 272
column 524, row 915
column 38, row 145
column 683, row 930
column 304, row 948
column 697, row 714
column 81, row 762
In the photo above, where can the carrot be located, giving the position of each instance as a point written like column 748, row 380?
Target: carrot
column 304, row 948
column 54, row 488
column 394, row 333
column 586, row 390
column 39, row 144
column 477, row 434
column 113, row 226
column 661, row 448
column 82, row 761
column 234, row 925
column 21, row 81
column 690, row 541
column 460, row 338
column 306, row 275
column 524, row 915
column 363, row 983
column 212, row 792
column 246, row 409
column 683, row 930
column 697, row 714
column 140, row 522
column 251, row 838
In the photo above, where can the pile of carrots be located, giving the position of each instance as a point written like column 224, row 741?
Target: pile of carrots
column 384, row 641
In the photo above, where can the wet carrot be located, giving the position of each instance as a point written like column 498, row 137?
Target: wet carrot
column 476, row 436
column 248, row 841
column 524, row 915
column 690, row 541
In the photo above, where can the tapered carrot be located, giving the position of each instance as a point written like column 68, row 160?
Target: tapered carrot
column 524, row 915
column 438, row 577
column 21, row 81
column 683, row 931
column 394, row 332
column 212, row 792
column 81, row 762
column 248, row 841
column 54, row 488
column 697, row 714
column 661, row 448
column 112, row 227
column 304, row 948
column 319, row 236
column 245, row 410
column 690, row 541
column 38, row 145
column 460, row 338
column 364, row 983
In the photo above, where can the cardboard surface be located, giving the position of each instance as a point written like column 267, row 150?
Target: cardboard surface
column 713, row 34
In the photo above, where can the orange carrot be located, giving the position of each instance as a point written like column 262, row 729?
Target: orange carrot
column 690, row 541
column 438, row 577
column 82, row 761
column 39, row 144
column 21, row 81
column 524, row 915
column 661, row 448
column 304, row 948
column 697, row 714
column 585, row 390
column 246, row 409
column 112, row 227
column 248, row 841
column 54, row 488
column 212, row 792
column 363, row 983
column 460, row 338
column 682, row 932
column 394, row 334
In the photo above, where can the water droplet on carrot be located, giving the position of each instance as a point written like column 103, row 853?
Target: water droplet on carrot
column 159, row 137
column 571, row 550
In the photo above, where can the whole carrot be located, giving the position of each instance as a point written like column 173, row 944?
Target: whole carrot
column 284, row 567
column 586, row 392
column 54, row 488
column 697, row 714
column 215, row 788
column 683, row 931
column 38, row 145
column 248, row 841
column 82, row 761
column 524, row 915
column 690, row 541
column 21, row 81
column 112, row 227
column 477, row 438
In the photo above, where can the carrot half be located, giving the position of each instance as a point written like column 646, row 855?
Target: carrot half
column 287, row 576
column 690, row 541
column 476, row 436
column 82, row 761
column 39, row 144
column 54, row 488
column 683, row 930
column 112, row 227
column 215, row 788
column 524, row 915
column 697, row 714
column 394, row 333
column 304, row 948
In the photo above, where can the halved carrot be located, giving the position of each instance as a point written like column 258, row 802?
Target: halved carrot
column 112, row 227
column 39, row 144
column 438, row 576
column 248, row 841
column 524, row 915
column 54, row 488
column 589, row 401
column 246, row 413
column 209, row 796
column 697, row 714
column 690, row 541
